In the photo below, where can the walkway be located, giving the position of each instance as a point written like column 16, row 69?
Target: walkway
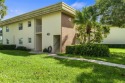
column 89, row 60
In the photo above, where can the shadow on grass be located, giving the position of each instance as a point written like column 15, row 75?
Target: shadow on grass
column 16, row 53
column 117, row 57
column 119, row 54
column 94, row 73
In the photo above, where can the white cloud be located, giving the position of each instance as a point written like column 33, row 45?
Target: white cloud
column 15, row 11
column 12, row 12
column 78, row 5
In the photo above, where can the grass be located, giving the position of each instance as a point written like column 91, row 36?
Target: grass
column 117, row 56
column 22, row 67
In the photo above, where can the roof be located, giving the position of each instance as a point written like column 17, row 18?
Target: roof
column 46, row 10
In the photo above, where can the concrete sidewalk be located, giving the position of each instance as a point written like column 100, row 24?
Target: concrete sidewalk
column 89, row 60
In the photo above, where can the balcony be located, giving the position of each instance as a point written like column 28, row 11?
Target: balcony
column 38, row 28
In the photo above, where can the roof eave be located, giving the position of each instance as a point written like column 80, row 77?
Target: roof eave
column 62, row 7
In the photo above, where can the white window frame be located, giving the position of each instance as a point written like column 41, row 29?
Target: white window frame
column 29, row 40
column 20, row 26
column 7, row 29
column 29, row 23
column 7, row 41
column 21, row 41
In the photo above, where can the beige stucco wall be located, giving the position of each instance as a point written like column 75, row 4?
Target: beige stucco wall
column 54, row 24
column 68, row 32
column 116, row 36
column 15, row 34
column 51, row 23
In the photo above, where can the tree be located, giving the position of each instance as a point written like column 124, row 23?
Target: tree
column 3, row 9
column 89, row 30
column 0, row 31
column 112, row 12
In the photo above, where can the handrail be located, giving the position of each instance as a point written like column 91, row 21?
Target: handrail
column 38, row 28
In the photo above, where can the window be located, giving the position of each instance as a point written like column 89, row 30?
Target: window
column 29, row 40
column 20, row 26
column 7, row 41
column 21, row 41
column 29, row 23
column 7, row 29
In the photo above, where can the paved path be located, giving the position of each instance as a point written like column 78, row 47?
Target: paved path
column 90, row 60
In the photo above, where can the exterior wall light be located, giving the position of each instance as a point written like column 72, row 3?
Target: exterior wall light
column 48, row 34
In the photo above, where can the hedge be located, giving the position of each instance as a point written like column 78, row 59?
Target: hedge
column 22, row 48
column 45, row 50
column 115, row 45
column 13, row 47
column 0, row 41
column 88, row 49
column 7, row 47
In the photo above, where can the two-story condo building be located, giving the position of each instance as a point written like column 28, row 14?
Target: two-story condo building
column 39, row 29
column 50, row 26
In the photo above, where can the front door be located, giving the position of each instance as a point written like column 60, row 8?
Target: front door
column 56, row 43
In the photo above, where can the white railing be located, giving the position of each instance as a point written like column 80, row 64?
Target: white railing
column 38, row 28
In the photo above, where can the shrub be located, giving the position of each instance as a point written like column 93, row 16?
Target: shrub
column 22, row 48
column 70, row 49
column 116, row 45
column 0, row 41
column 45, row 50
column 88, row 49
column 7, row 47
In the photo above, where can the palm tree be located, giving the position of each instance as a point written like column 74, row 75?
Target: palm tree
column 80, row 20
column 84, row 24
column 89, row 30
column 3, row 9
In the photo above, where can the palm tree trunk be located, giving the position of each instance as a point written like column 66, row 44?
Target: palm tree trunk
column 89, row 38
column 88, row 29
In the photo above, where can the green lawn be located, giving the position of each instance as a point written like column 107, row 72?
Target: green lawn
column 117, row 56
column 22, row 67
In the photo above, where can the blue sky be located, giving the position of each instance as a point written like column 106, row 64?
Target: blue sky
column 17, row 7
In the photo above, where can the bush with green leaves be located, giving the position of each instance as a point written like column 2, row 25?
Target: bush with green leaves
column 116, row 45
column 45, row 50
column 7, row 47
column 88, row 50
column 22, row 48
